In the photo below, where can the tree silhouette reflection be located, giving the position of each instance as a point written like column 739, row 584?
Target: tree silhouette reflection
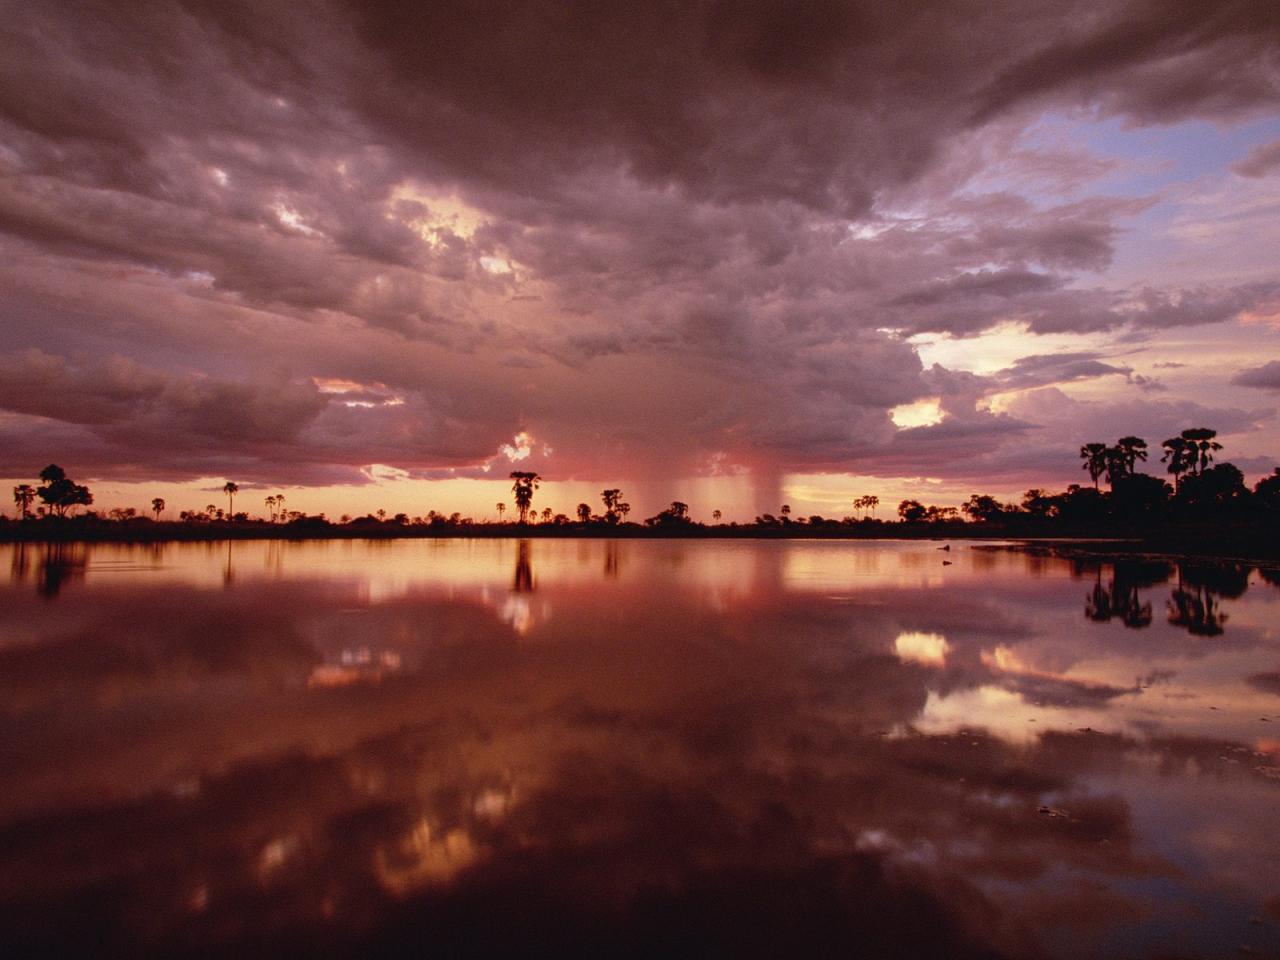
column 523, row 580
column 1120, row 598
column 1193, row 604
column 20, row 563
column 60, row 564
column 611, row 569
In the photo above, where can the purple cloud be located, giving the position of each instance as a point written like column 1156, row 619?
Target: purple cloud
column 661, row 239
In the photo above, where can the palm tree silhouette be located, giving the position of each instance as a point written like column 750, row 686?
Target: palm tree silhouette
column 157, row 505
column 526, row 482
column 1129, row 450
column 1095, row 460
column 271, row 508
column 716, row 515
column 1181, row 457
column 1203, row 447
column 231, row 489
column 24, row 494
column 584, row 512
column 502, row 508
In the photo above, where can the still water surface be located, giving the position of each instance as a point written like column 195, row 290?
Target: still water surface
column 879, row 749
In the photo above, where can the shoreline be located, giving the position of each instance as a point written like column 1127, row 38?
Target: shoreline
column 1252, row 544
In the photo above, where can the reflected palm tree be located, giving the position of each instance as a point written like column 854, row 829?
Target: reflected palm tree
column 61, row 563
column 1194, row 603
column 1196, row 611
column 1097, row 602
column 20, row 565
column 611, row 560
column 523, row 581
column 1120, row 598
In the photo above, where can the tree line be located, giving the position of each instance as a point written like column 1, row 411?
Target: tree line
column 1201, row 489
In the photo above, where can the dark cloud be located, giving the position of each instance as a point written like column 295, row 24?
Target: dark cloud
column 1044, row 369
column 1261, row 161
column 1265, row 377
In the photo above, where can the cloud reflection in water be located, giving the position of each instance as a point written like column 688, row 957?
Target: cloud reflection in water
column 750, row 748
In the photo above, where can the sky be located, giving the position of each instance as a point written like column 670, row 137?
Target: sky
column 378, row 255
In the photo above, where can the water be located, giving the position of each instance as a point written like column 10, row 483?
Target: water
column 636, row 747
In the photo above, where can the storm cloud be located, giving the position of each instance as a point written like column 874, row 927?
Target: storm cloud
column 663, row 238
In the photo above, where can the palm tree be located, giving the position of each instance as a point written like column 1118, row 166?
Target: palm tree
column 24, row 494
column 623, row 509
column 1203, row 447
column 525, row 484
column 871, row 501
column 584, row 513
column 502, row 508
column 271, row 508
column 716, row 515
column 231, row 489
column 382, row 514
column 280, row 505
column 546, row 515
column 1129, row 450
column 158, row 505
column 1095, row 460
column 1181, row 457
column 785, row 511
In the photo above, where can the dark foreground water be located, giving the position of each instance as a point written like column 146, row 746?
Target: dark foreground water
column 446, row 747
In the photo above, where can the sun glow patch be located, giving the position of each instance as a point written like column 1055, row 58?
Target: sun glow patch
column 437, row 215
column 520, row 447
column 292, row 219
column 382, row 471
column 922, row 413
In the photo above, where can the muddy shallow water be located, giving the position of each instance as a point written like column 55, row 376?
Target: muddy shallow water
column 879, row 749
